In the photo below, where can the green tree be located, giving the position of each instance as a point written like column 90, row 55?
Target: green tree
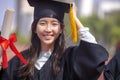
column 107, row 30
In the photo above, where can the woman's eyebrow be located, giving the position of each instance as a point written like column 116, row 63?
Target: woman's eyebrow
column 43, row 20
column 55, row 21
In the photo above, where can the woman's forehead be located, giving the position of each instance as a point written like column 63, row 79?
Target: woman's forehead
column 48, row 19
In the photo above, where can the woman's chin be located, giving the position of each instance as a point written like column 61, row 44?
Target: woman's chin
column 48, row 42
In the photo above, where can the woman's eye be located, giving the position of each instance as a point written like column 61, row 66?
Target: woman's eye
column 55, row 24
column 42, row 23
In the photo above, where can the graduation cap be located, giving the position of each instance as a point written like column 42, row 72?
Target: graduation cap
column 54, row 9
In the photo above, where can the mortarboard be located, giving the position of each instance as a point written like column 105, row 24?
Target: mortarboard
column 54, row 9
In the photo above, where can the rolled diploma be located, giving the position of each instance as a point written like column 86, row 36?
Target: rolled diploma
column 6, row 26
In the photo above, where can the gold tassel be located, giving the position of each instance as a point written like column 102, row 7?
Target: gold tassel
column 73, row 25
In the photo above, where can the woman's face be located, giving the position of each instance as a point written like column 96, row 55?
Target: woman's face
column 48, row 29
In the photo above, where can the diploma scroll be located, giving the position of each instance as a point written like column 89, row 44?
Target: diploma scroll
column 6, row 26
column 6, row 41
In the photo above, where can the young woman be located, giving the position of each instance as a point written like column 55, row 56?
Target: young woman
column 47, row 57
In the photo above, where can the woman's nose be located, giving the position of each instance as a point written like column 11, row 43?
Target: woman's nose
column 48, row 28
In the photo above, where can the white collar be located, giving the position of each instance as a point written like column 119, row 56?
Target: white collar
column 44, row 56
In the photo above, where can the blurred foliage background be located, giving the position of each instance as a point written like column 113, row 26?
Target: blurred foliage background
column 107, row 29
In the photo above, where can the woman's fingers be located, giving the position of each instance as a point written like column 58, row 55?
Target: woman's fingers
column 75, row 10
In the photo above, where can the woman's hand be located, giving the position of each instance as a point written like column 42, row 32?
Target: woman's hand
column 78, row 23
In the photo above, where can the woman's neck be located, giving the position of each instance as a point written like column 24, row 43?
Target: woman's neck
column 45, row 47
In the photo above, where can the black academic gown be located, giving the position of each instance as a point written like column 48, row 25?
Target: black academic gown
column 83, row 62
column 112, row 69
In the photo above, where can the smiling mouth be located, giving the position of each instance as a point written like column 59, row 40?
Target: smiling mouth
column 48, row 37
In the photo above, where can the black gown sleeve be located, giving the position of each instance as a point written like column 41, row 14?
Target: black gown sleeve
column 7, row 74
column 85, row 62
column 10, row 73
column 112, row 69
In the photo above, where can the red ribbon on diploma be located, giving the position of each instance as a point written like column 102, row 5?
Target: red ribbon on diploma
column 4, row 45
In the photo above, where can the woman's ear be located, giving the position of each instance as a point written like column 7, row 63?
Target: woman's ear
column 62, row 27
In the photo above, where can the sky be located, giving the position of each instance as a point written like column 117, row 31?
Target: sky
column 3, row 5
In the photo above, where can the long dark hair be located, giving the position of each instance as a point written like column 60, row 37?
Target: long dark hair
column 27, row 71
